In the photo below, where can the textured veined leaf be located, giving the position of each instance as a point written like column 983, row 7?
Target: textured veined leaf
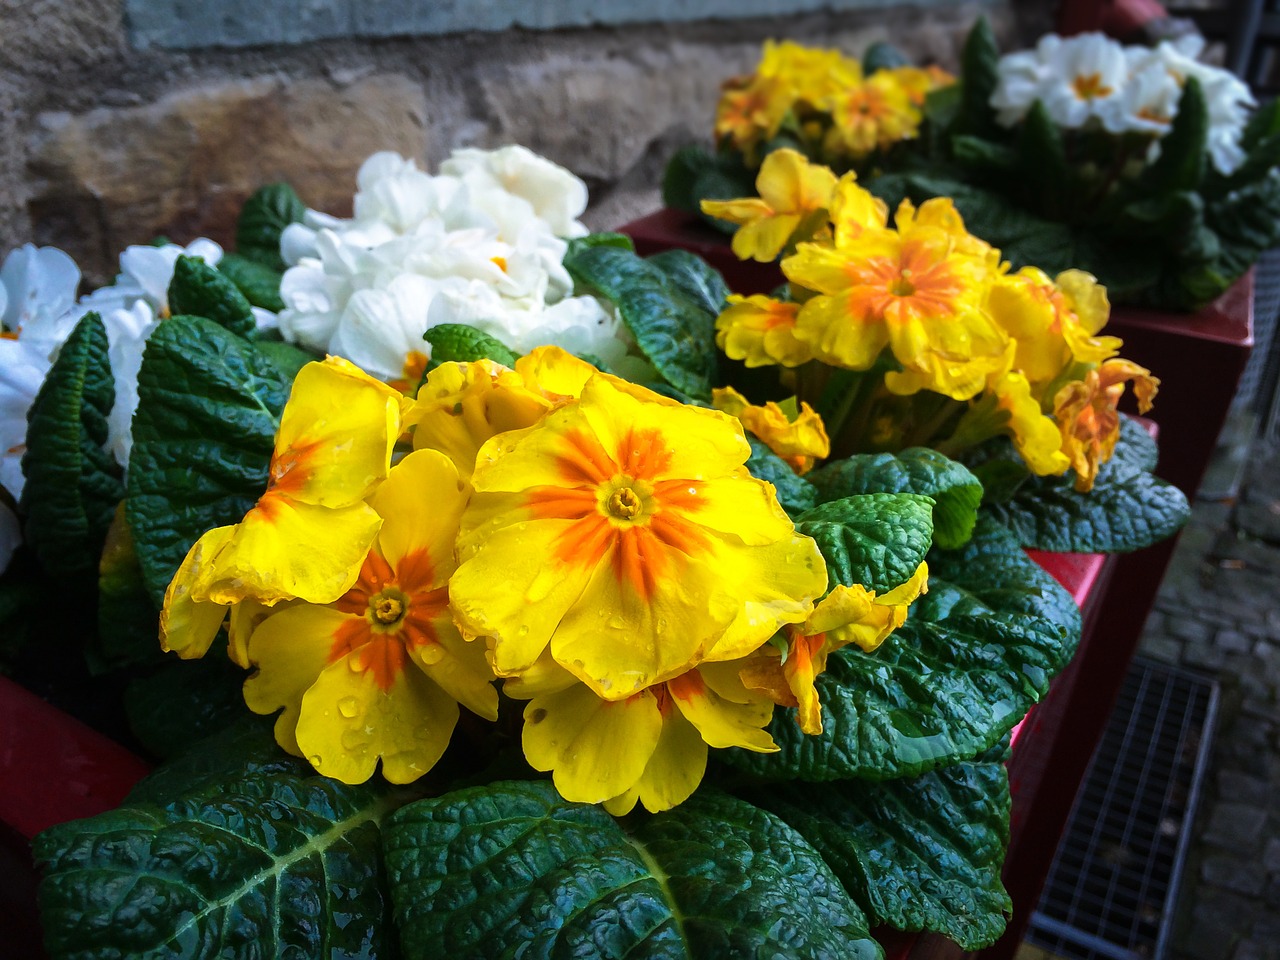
column 463, row 343
column 484, row 871
column 973, row 656
column 263, row 218
column 794, row 492
column 259, row 283
column 72, row 483
column 956, row 492
column 666, row 306
column 916, row 854
column 240, row 851
column 200, row 290
column 873, row 539
column 209, row 403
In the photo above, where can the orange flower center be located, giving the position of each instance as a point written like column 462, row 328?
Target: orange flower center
column 1089, row 86
column 915, row 284
column 389, row 611
column 621, row 511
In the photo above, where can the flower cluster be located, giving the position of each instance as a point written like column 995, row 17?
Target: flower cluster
column 600, row 550
column 1090, row 80
column 480, row 243
column 948, row 346
column 827, row 101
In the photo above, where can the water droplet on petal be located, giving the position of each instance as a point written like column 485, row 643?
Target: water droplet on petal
column 617, row 622
column 315, row 760
column 348, row 707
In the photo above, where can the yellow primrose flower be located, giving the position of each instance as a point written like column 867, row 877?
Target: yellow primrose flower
column 628, row 536
column 876, row 113
column 1052, row 322
column 811, row 74
column 919, row 82
column 917, row 290
column 650, row 747
column 751, row 111
column 1088, row 419
column 791, row 190
column 379, row 673
column 845, row 615
column 1035, row 436
column 854, row 209
column 308, row 533
column 798, row 439
column 760, row 331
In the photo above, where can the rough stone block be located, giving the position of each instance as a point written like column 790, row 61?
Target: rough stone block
column 182, row 166
column 1232, row 641
column 1236, row 826
column 1237, row 874
column 45, row 38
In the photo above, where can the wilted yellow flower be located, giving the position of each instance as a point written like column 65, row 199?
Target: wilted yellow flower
column 846, row 615
column 379, row 673
column 650, row 747
column 629, row 538
column 1088, row 419
column 1035, row 436
column 797, row 436
column 309, row 532
column 791, row 191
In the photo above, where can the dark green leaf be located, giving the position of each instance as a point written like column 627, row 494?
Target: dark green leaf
column 922, row 854
column 462, row 343
column 263, row 219
column 975, row 653
column 1126, row 510
column 512, row 868
column 956, row 492
column 1181, row 164
column 681, row 176
column 258, row 857
column 874, row 539
column 184, row 702
column 979, row 74
column 794, row 493
column 209, row 404
column 694, row 277
column 619, row 240
column 674, row 329
column 73, row 484
column 882, row 56
column 201, row 291
column 285, row 357
column 1042, row 166
column 127, row 619
column 259, row 283
column 983, row 157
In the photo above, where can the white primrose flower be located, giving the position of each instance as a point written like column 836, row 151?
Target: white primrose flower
column 482, row 244
column 37, row 291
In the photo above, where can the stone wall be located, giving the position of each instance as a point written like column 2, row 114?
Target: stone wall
column 102, row 144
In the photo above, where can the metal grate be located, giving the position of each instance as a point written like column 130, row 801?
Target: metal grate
column 1112, row 888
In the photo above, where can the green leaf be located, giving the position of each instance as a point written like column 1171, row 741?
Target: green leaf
column 263, row 219
column 463, row 343
column 619, row 240
column 127, row 619
column 664, row 305
column 285, row 357
column 882, row 56
column 922, row 854
column 983, row 157
column 201, row 291
column 874, row 539
column 979, row 74
column 1043, row 171
column 259, row 283
column 259, row 857
column 794, row 492
column 73, row 484
column 511, row 867
column 681, row 176
column 1182, row 160
column 1126, row 510
column 694, row 277
column 975, row 653
column 209, row 404
column 184, row 701
column 956, row 492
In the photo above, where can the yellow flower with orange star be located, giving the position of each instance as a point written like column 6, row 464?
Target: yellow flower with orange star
column 1087, row 416
column 309, row 532
column 871, row 115
column 630, row 540
column 650, row 747
column 797, row 435
column 378, row 674
column 848, row 614
column 793, row 193
column 760, row 331
column 918, row 290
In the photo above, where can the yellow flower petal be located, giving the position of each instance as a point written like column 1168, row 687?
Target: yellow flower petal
column 596, row 749
column 673, row 772
column 189, row 622
column 721, row 722
column 798, row 441
column 348, row 722
column 553, row 370
column 283, row 549
column 1035, row 435
column 421, row 502
column 760, row 331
